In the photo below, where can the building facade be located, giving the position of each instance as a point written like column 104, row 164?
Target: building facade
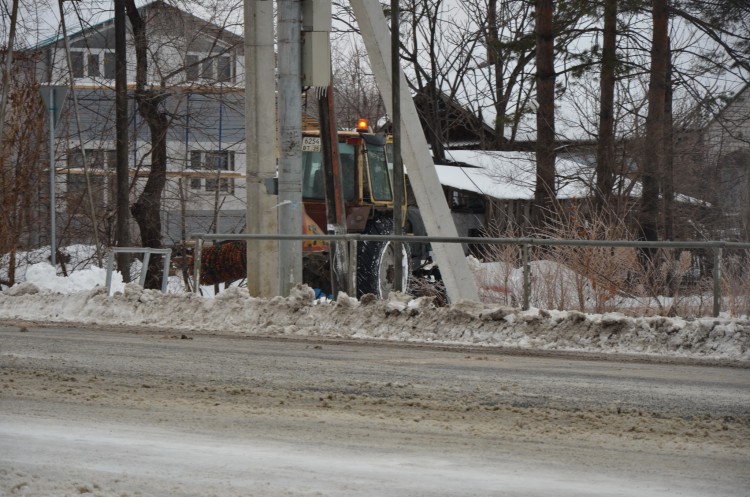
column 200, row 67
column 727, row 147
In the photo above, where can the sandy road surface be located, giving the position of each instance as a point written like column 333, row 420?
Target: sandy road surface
column 128, row 412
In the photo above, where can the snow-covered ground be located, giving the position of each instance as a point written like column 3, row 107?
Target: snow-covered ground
column 44, row 296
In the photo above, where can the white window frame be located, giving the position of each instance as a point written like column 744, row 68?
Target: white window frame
column 202, row 183
column 101, row 162
column 205, row 68
column 85, row 54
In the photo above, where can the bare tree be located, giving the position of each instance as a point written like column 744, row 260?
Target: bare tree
column 544, row 192
column 147, row 209
column 20, row 167
column 506, row 73
column 356, row 92
column 654, row 162
column 8, row 63
column 605, row 153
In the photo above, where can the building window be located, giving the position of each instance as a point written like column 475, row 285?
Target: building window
column 88, row 64
column 102, row 166
column 462, row 201
column 223, row 184
column 93, row 65
column 214, row 162
column 212, row 69
column 95, row 157
column 207, row 69
column 109, row 65
column 76, row 60
column 224, row 69
column 220, row 160
column 191, row 67
column 196, row 161
column 213, row 183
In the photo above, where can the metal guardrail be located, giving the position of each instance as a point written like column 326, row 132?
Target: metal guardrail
column 525, row 243
column 146, row 251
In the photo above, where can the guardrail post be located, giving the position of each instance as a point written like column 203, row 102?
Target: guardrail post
column 717, row 281
column 197, row 265
column 526, row 277
column 110, row 268
column 352, row 272
column 167, row 256
column 144, row 268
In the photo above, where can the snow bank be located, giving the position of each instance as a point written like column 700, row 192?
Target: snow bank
column 400, row 318
column 44, row 276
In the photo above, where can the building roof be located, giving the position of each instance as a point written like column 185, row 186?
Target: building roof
column 108, row 23
column 512, row 175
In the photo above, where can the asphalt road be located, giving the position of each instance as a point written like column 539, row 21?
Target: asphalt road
column 137, row 412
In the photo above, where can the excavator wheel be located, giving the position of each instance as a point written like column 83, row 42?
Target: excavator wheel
column 375, row 261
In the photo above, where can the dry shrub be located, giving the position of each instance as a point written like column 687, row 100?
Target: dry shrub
column 655, row 283
column 494, row 274
column 602, row 274
column 429, row 287
column 496, row 283
column 608, row 279
column 735, row 278
column 21, row 171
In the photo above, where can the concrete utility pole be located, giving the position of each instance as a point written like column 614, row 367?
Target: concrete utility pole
column 122, row 232
column 290, row 142
column 459, row 282
column 260, row 140
column 398, row 165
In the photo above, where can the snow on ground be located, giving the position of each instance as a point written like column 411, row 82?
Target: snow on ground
column 82, row 298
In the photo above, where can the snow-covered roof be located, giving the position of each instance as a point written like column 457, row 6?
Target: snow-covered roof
column 99, row 19
column 510, row 175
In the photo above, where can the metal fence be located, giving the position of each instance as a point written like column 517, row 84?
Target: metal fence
column 705, row 264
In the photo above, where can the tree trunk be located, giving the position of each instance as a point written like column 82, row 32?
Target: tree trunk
column 544, row 193
column 8, row 56
column 653, row 157
column 147, row 209
column 492, row 39
column 667, row 180
column 605, row 153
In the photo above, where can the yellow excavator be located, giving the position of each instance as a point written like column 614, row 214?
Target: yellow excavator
column 353, row 193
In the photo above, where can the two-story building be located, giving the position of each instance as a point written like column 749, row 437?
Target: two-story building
column 201, row 67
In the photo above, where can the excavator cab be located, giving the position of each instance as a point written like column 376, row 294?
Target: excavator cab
column 365, row 177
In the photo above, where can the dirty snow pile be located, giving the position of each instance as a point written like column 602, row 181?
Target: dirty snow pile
column 45, row 297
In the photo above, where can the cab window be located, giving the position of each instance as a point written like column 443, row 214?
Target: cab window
column 312, row 173
column 380, row 181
